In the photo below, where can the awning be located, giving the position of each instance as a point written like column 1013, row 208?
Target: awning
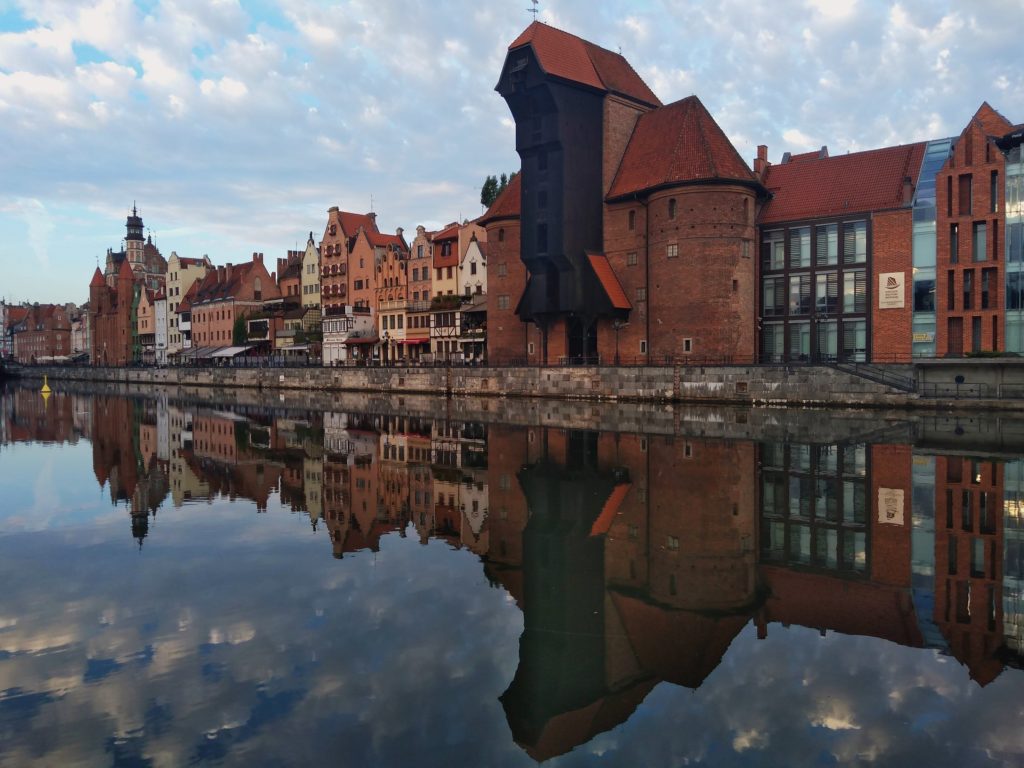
column 294, row 348
column 611, row 507
column 609, row 282
column 362, row 340
column 412, row 341
column 230, row 351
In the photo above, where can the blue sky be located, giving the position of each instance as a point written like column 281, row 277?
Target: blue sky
column 235, row 125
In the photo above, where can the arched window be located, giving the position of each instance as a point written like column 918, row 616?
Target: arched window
column 672, row 208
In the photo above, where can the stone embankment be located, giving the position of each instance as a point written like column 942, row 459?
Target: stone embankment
column 799, row 386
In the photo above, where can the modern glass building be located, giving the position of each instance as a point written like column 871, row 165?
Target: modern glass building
column 923, row 330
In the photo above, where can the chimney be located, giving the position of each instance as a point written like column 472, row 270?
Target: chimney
column 220, row 274
column 761, row 161
column 227, row 272
column 333, row 209
column 372, row 216
column 273, row 277
column 282, row 264
column 399, row 231
column 908, row 190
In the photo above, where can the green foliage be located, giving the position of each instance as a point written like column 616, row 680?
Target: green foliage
column 239, row 332
column 493, row 186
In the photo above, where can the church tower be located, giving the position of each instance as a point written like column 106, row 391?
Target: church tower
column 134, row 242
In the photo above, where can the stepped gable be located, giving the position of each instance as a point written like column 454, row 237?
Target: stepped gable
column 841, row 184
column 678, row 144
column 507, row 205
column 572, row 58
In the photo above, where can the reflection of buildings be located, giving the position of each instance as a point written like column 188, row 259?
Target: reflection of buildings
column 25, row 417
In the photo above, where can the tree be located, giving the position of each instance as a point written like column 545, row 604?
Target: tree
column 489, row 192
column 239, row 333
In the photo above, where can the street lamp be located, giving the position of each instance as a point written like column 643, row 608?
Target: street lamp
column 384, row 349
column 618, row 325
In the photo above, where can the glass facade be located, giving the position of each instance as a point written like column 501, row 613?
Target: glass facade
column 923, row 246
column 1014, row 250
column 814, row 292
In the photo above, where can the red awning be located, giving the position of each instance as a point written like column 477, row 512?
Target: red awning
column 361, row 340
column 611, row 507
column 609, row 282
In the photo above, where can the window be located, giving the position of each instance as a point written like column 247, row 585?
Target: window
column 631, row 259
column 503, row 269
column 826, row 292
column 632, row 220
column 774, row 296
column 800, row 247
column 993, row 191
column 415, row 274
column 954, row 243
column 672, row 208
column 501, row 236
column 978, row 241
column 855, row 242
column 965, row 194
column 472, row 267
column 855, row 342
column 773, row 250
column 641, row 293
column 968, row 287
column 951, row 290
column 988, row 283
column 529, row 348
column 799, row 294
column 827, row 245
column 673, row 543
column 687, row 346
column 924, row 295
column 855, row 291
column 672, row 250
column 643, row 346
column 448, row 273
column 503, row 302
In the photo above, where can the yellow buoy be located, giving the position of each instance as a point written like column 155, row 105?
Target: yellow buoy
column 46, row 388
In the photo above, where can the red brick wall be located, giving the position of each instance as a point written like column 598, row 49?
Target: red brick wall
column 890, row 541
column 507, row 336
column 891, row 251
column 707, row 293
column 365, row 296
column 619, row 120
column 975, row 155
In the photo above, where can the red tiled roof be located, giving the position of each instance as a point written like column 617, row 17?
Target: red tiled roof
column 604, row 521
column 190, row 262
column 817, row 154
column 677, row 144
column 609, row 282
column 351, row 222
column 506, row 205
column 16, row 314
column 842, row 184
column 126, row 270
column 377, row 239
column 572, row 58
column 451, row 232
column 186, row 301
column 97, row 279
column 210, row 289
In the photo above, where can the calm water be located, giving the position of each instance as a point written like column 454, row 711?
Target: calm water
column 188, row 584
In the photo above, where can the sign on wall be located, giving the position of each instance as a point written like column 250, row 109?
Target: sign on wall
column 890, row 506
column 891, row 290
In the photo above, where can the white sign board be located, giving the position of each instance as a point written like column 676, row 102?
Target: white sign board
column 891, row 293
column 890, row 506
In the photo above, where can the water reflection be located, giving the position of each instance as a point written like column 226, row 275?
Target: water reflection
column 633, row 559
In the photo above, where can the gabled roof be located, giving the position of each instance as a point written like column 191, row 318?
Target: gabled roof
column 125, row 270
column 351, row 222
column 381, row 240
column 563, row 55
column 678, row 144
column 292, row 271
column 97, row 279
column 991, row 121
column 842, row 184
column 506, row 205
column 609, row 282
column 451, row 232
column 186, row 301
column 210, row 289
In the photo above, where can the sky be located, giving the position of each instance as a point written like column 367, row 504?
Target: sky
column 235, row 124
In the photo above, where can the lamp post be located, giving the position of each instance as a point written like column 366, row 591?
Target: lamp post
column 384, row 349
column 618, row 325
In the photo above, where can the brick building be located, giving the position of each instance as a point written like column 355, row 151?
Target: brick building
column 182, row 274
column 637, row 220
column 43, row 332
column 335, row 252
column 112, row 317
column 226, row 294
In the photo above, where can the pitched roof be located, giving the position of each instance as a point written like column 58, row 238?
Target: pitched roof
column 186, row 301
column 506, row 205
column 609, row 282
column 382, row 240
column 992, row 122
column 351, row 222
column 211, row 289
column 125, row 270
column 97, row 279
column 842, row 184
column 677, row 144
column 190, row 262
column 451, row 232
column 564, row 55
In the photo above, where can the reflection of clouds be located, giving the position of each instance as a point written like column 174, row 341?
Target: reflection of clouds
column 238, row 636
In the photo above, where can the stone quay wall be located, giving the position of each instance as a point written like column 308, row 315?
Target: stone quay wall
column 744, row 385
